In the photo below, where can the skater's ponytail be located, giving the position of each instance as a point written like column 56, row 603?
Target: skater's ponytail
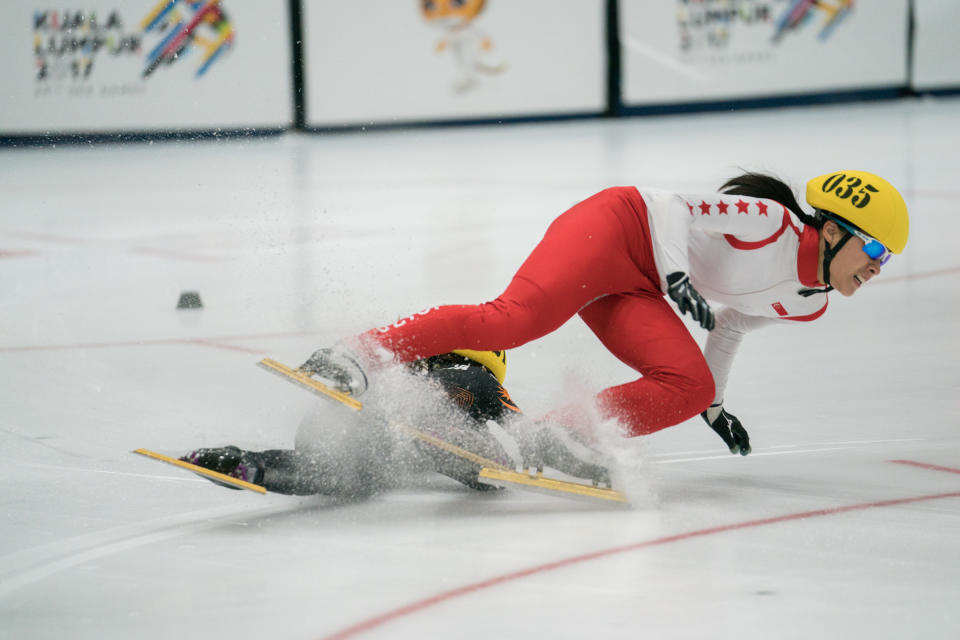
column 759, row 185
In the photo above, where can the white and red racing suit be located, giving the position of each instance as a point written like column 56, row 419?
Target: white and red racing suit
column 607, row 259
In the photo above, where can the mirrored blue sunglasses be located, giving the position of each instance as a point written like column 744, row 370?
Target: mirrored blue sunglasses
column 871, row 246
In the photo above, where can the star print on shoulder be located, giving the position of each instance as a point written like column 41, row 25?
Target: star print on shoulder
column 722, row 207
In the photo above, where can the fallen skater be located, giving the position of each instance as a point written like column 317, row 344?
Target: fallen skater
column 355, row 455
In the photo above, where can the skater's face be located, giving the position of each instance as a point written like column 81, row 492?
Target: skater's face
column 851, row 267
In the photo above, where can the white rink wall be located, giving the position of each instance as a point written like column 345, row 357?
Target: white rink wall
column 171, row 66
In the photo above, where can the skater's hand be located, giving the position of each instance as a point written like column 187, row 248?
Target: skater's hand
column 689, row 299
column 729, row 428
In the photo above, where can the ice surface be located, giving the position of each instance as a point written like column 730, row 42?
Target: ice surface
column 294, row 242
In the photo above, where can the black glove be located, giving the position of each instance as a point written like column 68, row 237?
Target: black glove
column 729, row 428
column 689, row 300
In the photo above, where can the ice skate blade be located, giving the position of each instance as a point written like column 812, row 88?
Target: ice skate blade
column 203, row 471
column 493, row 473
column 505, row 477
column 447, row 446
column 300, row 378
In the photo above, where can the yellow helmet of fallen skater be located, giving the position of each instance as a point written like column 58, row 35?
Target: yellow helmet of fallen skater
column 494, row 361
column 865, row 200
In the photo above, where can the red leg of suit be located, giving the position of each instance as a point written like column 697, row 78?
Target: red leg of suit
column 599, row 247
column 643, row 331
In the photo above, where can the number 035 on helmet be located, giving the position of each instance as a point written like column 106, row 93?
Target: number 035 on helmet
column 864, row 200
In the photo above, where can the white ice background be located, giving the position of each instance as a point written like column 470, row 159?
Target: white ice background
column 295, row 241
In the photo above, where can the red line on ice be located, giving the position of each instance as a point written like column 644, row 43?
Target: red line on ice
column 16, row 253
column 924, row 465
column 426, row 603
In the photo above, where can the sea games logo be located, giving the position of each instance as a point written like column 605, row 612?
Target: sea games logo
column 183, row 25
column 800, row 13
column 741, row 28
column 75, row 49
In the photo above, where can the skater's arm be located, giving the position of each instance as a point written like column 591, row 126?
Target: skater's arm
column 723, row 342
column 720, row 350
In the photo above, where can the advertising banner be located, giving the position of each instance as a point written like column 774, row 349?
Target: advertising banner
column 386, row 61
column 683, row 51
column 936, row 48
column 98, row 66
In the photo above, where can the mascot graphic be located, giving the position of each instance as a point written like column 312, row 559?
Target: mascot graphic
column 471, row 48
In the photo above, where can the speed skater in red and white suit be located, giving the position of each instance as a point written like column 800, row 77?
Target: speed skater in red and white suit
column 614, row 257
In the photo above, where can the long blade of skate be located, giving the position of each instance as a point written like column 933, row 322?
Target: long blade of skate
column 303, row 379
column 214, row 475
column 499, row 475
column 447, row 446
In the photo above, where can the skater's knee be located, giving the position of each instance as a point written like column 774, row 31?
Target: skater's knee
column 692, row 388
column 701, row 390
column 662, row 398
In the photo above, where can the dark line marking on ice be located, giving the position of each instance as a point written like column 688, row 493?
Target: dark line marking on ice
column 178, row 255
column 143, row 343
column 226, row 347
column 445, row 596
column 919, row 276
column 925, row 465
column 48, row 237
column 160, row 342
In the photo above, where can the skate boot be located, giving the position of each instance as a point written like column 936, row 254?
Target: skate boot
column 546, row 444
column 338, row 366
column 232, row 461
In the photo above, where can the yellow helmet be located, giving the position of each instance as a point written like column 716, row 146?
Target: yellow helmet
column 866, row 201
column 494, row 361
